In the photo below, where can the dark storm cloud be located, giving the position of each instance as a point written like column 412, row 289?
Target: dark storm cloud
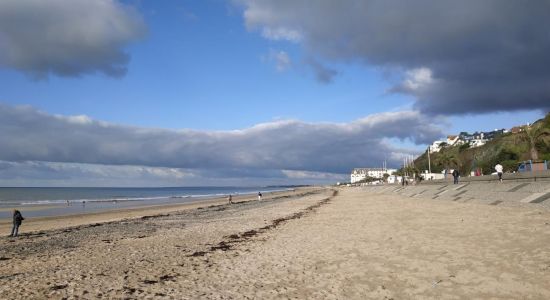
column 28, row 134
column 67, row 37
column 482, row 56
column 322, row 73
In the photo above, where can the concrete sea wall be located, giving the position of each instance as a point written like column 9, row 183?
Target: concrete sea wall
column 516, row 192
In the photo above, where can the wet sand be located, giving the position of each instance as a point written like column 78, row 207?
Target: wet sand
column 347, row 244
column 114, row 214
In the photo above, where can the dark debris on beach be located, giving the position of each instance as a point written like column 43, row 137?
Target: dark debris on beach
column 65, row 239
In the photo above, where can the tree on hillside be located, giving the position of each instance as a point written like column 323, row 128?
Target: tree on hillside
column 463, row 147
column 412, row 171
column 534, row 135
column 446, row 160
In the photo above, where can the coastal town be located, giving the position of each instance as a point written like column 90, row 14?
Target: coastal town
column 412, row 169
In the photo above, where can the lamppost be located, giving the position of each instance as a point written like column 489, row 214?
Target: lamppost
column 429, row 162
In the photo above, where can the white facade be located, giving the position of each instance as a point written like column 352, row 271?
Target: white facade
column 454, row 140
column 477, row 142
column 397, row 179
column 359, row 174
column 432, row 176
column 436, row 146
column 394, row 179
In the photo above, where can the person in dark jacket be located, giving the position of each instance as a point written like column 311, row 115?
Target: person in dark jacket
column 455, row 176
column 17, row 219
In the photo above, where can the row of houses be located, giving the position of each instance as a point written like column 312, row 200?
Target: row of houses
column 360, row 174
column 475, row 139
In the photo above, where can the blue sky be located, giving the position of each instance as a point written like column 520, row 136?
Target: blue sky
column 214, row 67
column 199, row 67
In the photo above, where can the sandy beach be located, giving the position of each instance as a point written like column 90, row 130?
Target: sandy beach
column 324, row 244
column 114, row 214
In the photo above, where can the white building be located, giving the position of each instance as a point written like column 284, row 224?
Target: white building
column 454, row 140
column 432, row 176
column 436, row 146
column 477, row 142
column 359, row 174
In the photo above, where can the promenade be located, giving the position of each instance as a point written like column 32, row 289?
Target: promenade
column 524, row 192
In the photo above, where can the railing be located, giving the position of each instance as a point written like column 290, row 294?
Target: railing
column 520, row 176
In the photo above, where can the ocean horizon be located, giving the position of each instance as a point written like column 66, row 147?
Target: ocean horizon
column 46, row 201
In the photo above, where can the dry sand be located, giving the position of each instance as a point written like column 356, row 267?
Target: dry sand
column 316, row 246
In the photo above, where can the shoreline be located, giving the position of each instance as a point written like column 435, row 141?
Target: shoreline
column 66, row 204
column 53, row 222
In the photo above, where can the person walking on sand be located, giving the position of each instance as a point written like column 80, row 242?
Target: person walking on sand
column 498, row 168
column 455, row 176
column 17, row 219
column 230, row 199
column 259, row 196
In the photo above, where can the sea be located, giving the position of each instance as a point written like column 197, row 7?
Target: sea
column 49, row 201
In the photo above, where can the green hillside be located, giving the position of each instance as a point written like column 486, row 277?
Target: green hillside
column 508, row 149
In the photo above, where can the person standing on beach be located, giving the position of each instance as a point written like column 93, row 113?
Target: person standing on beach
column 455, row 176
column 17, row 219
column 499, row 168
column 230, row 199
column 259, row 196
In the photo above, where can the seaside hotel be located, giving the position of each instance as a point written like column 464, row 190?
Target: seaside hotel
column 359, row 174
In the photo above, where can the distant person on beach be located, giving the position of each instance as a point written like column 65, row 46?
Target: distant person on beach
column 230, row 199
column 259, row 196
column 17, row 219
column 455, row 176
column 498, row 168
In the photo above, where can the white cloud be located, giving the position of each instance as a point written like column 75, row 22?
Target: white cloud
column 418, row 78
column 67, row 37
column 36, row 173
column 281, row 59
column 314, row 175
column 281, row 34
column 80, row 119
column 31, row 135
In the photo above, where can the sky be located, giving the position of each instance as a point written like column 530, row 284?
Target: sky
column 247, row 93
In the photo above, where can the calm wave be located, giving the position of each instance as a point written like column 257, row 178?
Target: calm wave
column 38, row 196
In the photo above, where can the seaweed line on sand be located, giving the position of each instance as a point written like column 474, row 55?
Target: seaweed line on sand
column 237, row 238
